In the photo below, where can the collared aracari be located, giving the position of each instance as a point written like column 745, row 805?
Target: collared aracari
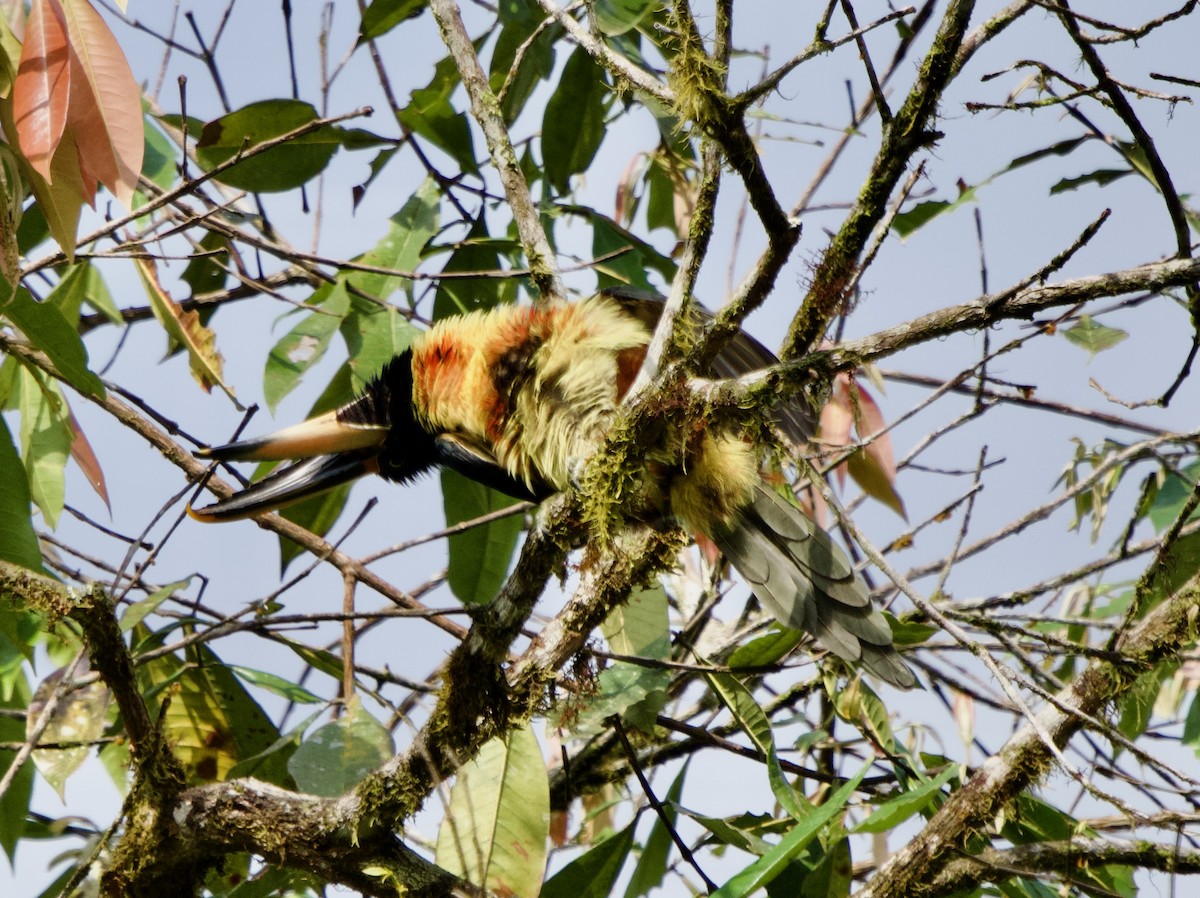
column 516, row 397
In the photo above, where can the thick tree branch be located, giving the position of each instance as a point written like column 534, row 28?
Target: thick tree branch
column 1068, row 861
column 1026, row 758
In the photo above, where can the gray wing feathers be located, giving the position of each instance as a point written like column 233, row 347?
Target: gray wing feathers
column 807, row 583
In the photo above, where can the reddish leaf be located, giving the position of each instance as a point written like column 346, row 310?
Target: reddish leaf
column 868, row 420
column 41, row 92
column 85, row 457
column 836, row 420
column 105, row 110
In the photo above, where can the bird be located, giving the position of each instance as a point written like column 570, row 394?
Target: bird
column 518, row 396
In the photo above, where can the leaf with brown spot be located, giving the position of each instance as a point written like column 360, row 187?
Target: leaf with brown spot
column 185, row 328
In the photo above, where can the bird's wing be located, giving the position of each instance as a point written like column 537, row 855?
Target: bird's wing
column 476, row 462
column 742, row 354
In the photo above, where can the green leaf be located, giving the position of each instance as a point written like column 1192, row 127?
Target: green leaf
column 1137, row 704
column 159, row 162
column 479, row 557
column 50, row 332
column 1172, row 496
column 336, row 757
column 771, row 864
column 896, row 810
column 305, row 344
column 409, row 230
column 18, row 542
column 615, row 17
column 496, row 829
column 1101, row 177
column 910, row 632
column 763, row 651
column 1191, row 724
column 280, row 168
column 754, row 723
column 383, row 15
column 1093, row 337
column 477, row 252
column 14, row 803
column 536, row 63
column 316, row 514
column 45, row 441
column 293, row 692
column 832, row 875
column 206, row 272
column 651, row 867
column 430, row 114
column 593, row 874
column 136, row 613
column 573, row 125
column 906, row 223
column 374, row 335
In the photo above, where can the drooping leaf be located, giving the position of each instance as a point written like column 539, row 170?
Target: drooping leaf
column 78, row 717
column 213, row 723
column 14, row 802
column 651, row 867
column 185, row 328
column 105, row 114
column 754, row 723
column 496, row 828
column 592, row 875
column 480, row 556
column 45, row 442
column 615, row 17
column 18, row 542
column 1092, row 337
column 535, row 64
column 134, row 614
column 573, row 125
column 430, row 114
column 305, row 344
column 41, row 94
column 337, row 756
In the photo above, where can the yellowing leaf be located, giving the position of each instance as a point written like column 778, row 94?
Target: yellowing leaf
column 496, row 828
column 185, row 328
column 79, row 717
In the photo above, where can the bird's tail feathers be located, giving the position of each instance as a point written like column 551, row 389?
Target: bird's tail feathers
column 808, row 583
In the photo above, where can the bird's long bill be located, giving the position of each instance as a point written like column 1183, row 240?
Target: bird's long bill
column 323, row 435
column 334, row 453
column 291, row 484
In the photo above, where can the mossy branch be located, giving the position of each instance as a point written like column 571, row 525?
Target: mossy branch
column 907, row 133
